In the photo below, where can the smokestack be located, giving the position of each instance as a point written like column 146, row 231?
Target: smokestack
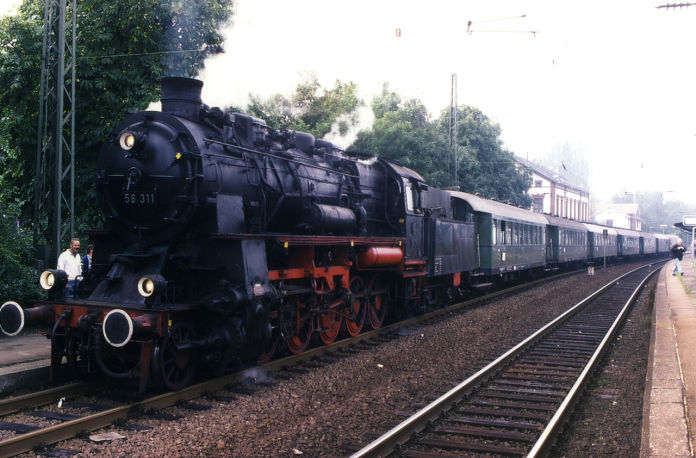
column 181, row 97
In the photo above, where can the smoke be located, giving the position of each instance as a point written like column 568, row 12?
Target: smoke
column 255, row 376
column 345, row 130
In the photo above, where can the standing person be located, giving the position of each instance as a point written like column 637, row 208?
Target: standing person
column 677, row 254
column 70, row 262
column 87, row 261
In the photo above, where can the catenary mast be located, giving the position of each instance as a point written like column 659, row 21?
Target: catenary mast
column 55, row 158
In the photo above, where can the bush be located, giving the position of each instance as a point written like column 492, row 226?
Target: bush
column 18, row 280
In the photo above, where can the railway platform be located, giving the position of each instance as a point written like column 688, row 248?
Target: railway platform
column 669, row 409
column 24, row 360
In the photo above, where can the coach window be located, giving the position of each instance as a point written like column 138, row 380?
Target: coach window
column 508, row 233
column 495, row 232
column 516, row 238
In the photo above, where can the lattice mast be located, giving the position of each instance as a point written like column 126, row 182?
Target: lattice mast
column 55, row 158
column 453, row 124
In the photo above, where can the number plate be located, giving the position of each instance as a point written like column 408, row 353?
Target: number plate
column 140, row 198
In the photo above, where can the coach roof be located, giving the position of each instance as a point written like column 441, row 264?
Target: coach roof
column 481, row 205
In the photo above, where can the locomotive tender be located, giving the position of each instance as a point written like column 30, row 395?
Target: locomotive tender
column 228, row 239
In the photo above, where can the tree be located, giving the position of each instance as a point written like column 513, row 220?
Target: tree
column 485, row 165
column 311, row 108
column 570, row 162
column 405, row 132
column 17, row 280
column 655, row 211
column 123, row 50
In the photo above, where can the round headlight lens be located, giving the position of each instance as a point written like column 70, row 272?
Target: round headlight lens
column 53, row 279
column 127, row 140
column 151, row 285
column 47, row 280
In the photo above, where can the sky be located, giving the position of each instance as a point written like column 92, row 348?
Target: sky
column 613, row 78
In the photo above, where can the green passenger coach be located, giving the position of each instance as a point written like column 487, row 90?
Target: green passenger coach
column 510, row 242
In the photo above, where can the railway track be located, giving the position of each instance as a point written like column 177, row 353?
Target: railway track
column 519, row 403
column 125, row 412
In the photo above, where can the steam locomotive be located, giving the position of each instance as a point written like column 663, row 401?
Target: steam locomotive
column 227, row 239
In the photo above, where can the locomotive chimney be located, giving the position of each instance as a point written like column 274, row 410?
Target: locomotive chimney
column 181, row 97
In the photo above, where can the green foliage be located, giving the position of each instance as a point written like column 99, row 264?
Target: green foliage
column 18, row 281
column 656, row 211
column 485, row 165
column 403, row 131
column 123, row 50
column 311, row 109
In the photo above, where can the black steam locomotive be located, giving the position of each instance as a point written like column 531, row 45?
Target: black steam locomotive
column 228, row 239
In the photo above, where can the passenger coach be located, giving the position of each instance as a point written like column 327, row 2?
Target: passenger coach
column 566, row 242
column 510, row 241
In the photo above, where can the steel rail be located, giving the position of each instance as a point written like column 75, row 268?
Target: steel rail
column 558, row 421
column 11, row 405
column 400, row 434
column 67, row 430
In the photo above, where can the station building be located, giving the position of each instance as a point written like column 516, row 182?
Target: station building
column 554, row 195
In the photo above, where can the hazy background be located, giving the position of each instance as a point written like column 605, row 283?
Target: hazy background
column 613, row 78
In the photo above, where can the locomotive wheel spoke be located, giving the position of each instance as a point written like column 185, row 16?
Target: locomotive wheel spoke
column 171, row 368
column 298, row 343
column 358, row 307
column 330, row 323
column 377, row 309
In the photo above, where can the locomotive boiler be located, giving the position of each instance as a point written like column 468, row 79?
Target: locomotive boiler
column 227, row 239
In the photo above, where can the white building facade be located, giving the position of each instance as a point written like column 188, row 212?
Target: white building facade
column 554, row 195
column 624, row 216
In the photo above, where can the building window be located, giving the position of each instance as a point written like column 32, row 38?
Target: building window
column 538, row 205
column 537, row 184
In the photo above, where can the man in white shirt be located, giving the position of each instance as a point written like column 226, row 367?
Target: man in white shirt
column 70, row 262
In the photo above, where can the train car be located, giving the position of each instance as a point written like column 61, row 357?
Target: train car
column 602, row 242
column 663, row 244
column 648, row 244
column 510, row 241
column 627, row 243
column 566, row 242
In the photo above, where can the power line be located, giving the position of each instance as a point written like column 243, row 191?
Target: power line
column 105, row 56
column 470, row 23
column 675, row 5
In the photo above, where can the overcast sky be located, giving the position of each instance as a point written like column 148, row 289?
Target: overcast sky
column 615, row 78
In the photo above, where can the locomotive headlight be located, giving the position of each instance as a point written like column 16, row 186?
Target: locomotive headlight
column 132, row 141
column 127, row 140
column 53, row 280
column 151, row 284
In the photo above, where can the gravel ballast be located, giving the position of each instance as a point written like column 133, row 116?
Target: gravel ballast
column 314, row 414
